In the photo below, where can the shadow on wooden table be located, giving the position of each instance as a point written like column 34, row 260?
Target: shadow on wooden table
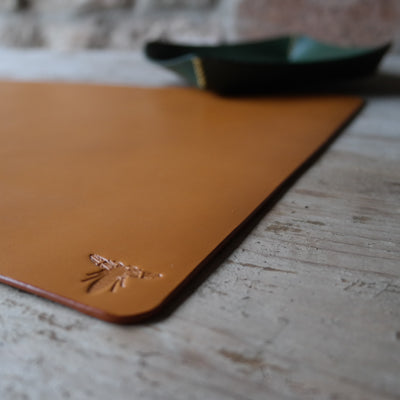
column 381, row 84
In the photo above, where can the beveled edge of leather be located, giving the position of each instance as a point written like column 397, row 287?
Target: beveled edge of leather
column 81, row 307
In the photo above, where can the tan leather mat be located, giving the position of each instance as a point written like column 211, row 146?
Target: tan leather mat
column 110, row 197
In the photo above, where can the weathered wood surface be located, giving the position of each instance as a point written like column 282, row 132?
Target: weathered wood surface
column 308, row 306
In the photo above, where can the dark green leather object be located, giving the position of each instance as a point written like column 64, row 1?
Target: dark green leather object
column 285, row 63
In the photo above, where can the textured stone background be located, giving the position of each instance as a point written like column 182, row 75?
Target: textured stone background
column 126, row 24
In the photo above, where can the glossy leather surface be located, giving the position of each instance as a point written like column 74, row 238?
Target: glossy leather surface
column 153, row 178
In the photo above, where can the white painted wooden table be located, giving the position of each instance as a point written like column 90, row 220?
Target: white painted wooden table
column 308, row 306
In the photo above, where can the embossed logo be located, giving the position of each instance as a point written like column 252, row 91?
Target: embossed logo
column 113, row 274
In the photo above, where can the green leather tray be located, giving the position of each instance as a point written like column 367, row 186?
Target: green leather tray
column 284, row 63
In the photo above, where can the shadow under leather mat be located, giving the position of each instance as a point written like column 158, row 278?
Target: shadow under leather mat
column 112, row 197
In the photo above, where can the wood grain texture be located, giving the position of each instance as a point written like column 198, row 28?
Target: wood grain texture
column 307, row 307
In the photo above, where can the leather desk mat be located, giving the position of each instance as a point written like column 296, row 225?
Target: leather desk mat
column 111, row 197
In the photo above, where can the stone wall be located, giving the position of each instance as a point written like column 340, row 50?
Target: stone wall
column 127, row 24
